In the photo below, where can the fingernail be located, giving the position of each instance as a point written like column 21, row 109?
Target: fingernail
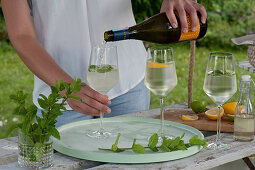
column 108, row 110
column 193, row 29
column 185, row 30
column 109, row 102
column 203, row 21
column 174, row 25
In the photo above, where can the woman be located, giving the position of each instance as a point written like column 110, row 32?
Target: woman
column 55, row 42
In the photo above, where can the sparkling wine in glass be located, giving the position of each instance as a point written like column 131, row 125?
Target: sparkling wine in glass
column 160, row 77
column 103, row 75
column 220, row 85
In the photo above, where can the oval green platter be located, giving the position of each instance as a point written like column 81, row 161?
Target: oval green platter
column 75, row 142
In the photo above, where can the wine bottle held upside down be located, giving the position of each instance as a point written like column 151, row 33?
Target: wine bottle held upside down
column 157, row 29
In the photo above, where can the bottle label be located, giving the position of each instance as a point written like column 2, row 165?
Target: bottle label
column 190, row 35
column 122, row 34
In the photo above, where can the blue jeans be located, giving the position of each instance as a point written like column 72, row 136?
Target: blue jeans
column 136, row 99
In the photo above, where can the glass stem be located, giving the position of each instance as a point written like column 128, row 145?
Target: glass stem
column 218, row 125
column 101, row 122
column 162, row 117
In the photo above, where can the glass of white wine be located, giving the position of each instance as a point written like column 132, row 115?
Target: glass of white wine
column 103, row 75
column 160, row 78
column 220, row 85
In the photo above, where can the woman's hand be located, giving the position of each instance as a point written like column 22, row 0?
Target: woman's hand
column 92, row 102
column 182, row 7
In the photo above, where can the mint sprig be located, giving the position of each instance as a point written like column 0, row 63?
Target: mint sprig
column 100, row 69
column 36, row 134
column 168, row 145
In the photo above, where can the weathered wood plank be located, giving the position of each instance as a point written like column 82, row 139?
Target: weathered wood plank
column 246, row 66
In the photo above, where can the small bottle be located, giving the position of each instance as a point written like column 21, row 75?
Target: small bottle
column 244, row 113
column 158, row 29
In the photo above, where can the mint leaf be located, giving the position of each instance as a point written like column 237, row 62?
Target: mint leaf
column 137, row 148
column 74, row 97
column 104, row 69
column 196, row 141
column 165, row 148
column 153, row 141
column 92, row 68
column 115, row 145
column 54, row 132
column 164, row 145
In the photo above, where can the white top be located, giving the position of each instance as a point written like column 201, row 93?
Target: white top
column 68, row 28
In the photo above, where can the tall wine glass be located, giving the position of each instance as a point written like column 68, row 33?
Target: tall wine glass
column 103, row 75
column 160, row 77
column 220, row 85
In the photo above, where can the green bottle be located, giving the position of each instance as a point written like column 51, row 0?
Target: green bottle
column 157, row 29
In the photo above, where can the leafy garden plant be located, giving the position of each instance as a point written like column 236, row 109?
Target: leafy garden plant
column 35, row 131
column 167, row 145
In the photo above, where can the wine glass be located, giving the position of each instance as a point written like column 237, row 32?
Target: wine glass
column 103, row 75
column 160, row 77
column 220, row 85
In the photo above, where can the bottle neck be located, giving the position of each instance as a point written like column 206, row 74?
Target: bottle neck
column 117, row 35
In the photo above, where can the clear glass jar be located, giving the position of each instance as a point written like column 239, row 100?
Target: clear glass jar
column 35, row 151
column 244, row 113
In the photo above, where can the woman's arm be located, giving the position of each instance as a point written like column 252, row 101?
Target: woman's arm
column 182, row 7
column 23, row 37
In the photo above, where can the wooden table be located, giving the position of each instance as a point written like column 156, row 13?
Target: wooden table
column 205, row 159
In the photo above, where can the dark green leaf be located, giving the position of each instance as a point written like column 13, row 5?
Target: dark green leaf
column 54, row 132
column 164, row 148
column 74, row 97
column 20, row 110
column 196, row 141
column 153, row 141
column 57, row 85
column 154, row 149
column 137, row 148
column 43, row 104
column 62, row 86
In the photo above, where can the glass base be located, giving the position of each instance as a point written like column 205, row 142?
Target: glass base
column 218, row 145
column 32, row 157
column 99, row 134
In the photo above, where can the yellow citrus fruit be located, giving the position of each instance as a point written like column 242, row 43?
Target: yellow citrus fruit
column 189, row 117
column 152, row 64
column 213, row 113
column 229, row 108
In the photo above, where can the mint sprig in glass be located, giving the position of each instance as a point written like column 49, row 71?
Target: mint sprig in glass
column 220, row 85
column 102, row 75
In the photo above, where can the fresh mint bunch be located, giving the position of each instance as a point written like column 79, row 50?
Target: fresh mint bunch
column 52, row 106
column 167, row 145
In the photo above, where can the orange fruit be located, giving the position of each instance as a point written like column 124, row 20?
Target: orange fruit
column 213, row 113
column 189, row 117
column 152, row 64
column 229, row 108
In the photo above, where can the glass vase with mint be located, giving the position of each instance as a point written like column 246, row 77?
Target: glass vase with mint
column 35, row 149
column 161, row 78
column 103, row 75
column 220, row 86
